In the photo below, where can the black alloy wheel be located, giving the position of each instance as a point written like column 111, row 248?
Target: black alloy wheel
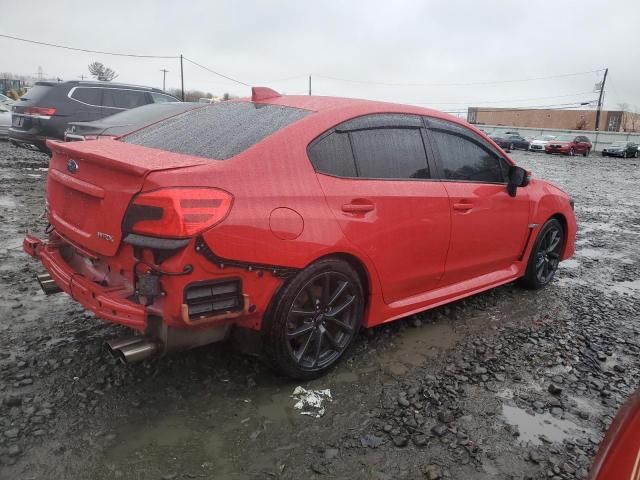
column 545, row 255
column 315, row 320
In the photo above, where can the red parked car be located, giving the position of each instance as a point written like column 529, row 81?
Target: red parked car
column 569, row 145
column 293, row 221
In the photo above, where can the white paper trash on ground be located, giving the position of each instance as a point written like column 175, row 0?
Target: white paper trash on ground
column 310, row 402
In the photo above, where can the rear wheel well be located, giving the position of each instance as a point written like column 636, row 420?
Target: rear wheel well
column 360, row 269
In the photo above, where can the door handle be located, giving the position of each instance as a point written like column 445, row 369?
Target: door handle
column 357, row 207
column 464, row 207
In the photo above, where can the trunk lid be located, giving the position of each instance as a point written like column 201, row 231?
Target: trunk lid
column 90, row 185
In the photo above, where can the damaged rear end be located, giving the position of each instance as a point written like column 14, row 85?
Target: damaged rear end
column 129, row 254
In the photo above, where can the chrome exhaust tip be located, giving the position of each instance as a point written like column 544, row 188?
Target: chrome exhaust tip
column 47, row 284
column 137, row 352
column 116, row 344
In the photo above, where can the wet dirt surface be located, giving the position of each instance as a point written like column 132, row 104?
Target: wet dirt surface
column 507, row 384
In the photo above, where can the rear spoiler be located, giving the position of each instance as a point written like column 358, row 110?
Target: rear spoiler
column 123, row 157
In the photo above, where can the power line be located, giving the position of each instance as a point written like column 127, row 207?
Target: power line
column 492, row 82
column 558, row 106
column 86, row 50
column 502, row 101
column 217, row 73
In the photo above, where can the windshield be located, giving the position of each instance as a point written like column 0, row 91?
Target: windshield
column 564, row 138
column 545, row 138
column 619, row 144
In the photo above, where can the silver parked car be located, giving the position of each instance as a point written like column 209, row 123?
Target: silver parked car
column 5, row 120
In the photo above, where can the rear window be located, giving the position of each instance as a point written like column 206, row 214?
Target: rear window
column 149, row 113
column 36, row 93
column 218, row 131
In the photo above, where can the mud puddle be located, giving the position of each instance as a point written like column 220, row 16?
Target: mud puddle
column 413, row 346
column 533, row 426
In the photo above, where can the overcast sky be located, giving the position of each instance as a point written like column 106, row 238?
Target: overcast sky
column 393, row 42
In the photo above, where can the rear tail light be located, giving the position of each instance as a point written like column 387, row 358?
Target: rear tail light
column 176, row 212
column 39, row 111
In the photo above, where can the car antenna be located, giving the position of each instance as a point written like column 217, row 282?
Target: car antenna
column 263, row 93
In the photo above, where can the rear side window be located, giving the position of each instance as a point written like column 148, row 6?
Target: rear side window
column 332, row 155
column 464, row 160
column 90, row 96
column 218, row 131
column 392, row 153
column 117, row 98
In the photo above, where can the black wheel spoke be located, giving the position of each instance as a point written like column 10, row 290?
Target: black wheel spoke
column 342, row 286
column 326, row 289
column 341, row 308
column 332, row 341
column 302, row 313
column 340, row 324
column 306, row 327
column 305, row 347
column 318, row 350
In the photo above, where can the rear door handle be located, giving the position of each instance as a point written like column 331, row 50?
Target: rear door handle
column 464, row 207
column 357, row 207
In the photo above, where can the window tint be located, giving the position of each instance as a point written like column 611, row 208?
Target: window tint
column 217, row 131
column 160, row 98
column 332, row 155
column 116, row 98
column 462, row 159
column 87, row 95
column 390, row 153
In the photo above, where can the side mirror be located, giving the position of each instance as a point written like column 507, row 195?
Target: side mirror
column 518, row 177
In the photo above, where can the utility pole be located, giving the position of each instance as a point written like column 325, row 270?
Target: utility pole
column 181, row 78
column 82, row 76
column 164, row 77
column 309, row 85
column 604, row 79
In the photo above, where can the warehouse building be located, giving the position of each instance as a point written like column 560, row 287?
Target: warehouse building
column 610, row 120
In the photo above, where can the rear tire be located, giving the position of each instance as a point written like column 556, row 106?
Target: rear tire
column 545, row 256
column 586, row 153
column 314, row 319
column 511, row 147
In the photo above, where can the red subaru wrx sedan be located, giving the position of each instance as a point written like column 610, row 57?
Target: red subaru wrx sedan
column 291, row 222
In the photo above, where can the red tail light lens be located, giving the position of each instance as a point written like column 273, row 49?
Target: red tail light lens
column 39, row 111
column 177, row 212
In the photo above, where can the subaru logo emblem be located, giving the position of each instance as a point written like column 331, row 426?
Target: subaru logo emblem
column 72, row 166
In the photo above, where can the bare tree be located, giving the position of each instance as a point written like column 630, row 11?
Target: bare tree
column 624, row 106
column 102, row 73
column 581, row 124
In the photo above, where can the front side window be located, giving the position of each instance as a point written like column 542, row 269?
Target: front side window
column 392, row 153
column 124, row 99
column 463, row 160
column 90, row 96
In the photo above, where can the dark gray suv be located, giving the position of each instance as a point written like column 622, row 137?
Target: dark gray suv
column 47, row 108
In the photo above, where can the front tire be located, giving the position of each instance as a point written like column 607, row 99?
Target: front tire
column 511, row 147
column 572, row 152
column 314, row 319
column 545, row 256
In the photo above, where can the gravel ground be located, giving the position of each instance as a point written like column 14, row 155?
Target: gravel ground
column 508, row 384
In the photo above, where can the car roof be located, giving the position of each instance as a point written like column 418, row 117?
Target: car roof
column 343, row 105
column 90, row 83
